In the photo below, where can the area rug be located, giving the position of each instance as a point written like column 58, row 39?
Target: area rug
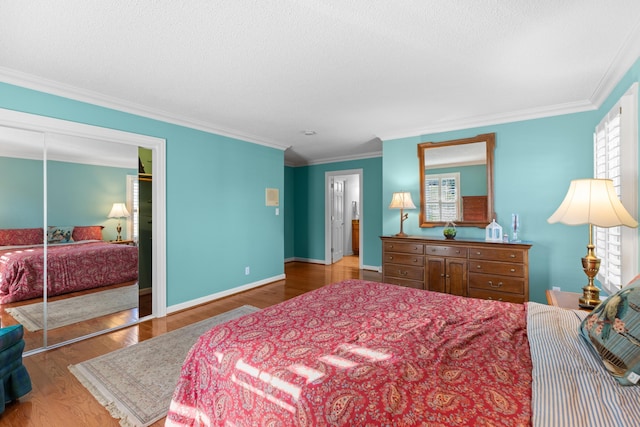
column 77, row 309
column 136, row 383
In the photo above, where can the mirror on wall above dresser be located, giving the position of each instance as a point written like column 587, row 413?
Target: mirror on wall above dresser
column 456, row 181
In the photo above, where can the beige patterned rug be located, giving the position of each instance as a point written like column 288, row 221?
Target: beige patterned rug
column 77, row 309
column 136, row 383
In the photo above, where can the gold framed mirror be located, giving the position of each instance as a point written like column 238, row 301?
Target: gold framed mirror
column 456, row 181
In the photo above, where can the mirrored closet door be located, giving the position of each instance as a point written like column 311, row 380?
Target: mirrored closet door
column 22, row 232
column 79, row 196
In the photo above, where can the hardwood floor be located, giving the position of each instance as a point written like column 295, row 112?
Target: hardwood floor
column 58, row 399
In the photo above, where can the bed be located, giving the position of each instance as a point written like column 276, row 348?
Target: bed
column 360, row 353
column 71, row 266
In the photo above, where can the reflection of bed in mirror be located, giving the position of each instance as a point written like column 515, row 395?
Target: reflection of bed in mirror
column 73, row 266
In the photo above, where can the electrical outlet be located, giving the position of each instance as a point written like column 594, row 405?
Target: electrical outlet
column 556, row 288
column 247, row 271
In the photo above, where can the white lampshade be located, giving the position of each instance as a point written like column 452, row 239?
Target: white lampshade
column 592, row 201
column 402, row 200
column 119, row 210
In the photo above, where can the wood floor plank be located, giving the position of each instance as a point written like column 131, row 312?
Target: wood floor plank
column 58, row 399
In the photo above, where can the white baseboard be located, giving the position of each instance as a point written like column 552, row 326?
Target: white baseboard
column 222, row 294
column 309, row 260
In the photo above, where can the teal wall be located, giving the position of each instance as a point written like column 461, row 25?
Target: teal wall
column 76, row 194
column 534, row 162
column 289, row 211
column 84, row 194
column 21, row 193
column 217, row 221
column 308, row 185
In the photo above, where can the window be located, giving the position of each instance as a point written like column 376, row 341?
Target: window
column 616, row 158
column 442, row 196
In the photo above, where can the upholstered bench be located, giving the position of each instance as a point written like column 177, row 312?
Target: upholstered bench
column 15, row 378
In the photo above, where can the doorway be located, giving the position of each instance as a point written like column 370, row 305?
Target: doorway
column 343, row 215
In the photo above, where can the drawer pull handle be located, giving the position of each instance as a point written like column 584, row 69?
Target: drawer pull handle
column 513, row 270
column 415, row 248
column 458, row 251
column 512, row 255
column 390, row 257
column 478, row 253
column 442, row 275
column 415, row 260
column 499, row 285
column 478, row 266
column 403, row 273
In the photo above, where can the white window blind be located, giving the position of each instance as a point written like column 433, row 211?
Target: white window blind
column 442, row 197
column 133, row 205
column 615, row 157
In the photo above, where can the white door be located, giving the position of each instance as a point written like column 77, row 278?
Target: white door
column 337, row 221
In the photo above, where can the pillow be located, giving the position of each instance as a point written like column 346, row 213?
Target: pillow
column 89, row 232
column 613, row 329
column 21, row 236
column 57, row 234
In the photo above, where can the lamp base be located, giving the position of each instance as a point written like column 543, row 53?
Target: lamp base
column 401, row 234
column 590, row 297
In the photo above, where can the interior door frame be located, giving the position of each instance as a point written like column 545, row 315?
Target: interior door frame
column 327, row 212
column 34, row 122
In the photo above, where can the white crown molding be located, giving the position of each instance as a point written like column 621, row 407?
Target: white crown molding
column 371, row 155
column 489, row 120
column 54, row 88
column 624, row 59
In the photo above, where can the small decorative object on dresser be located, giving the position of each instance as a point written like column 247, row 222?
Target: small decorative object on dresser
column 449, row 231
column 493, row 232
column 472, row 268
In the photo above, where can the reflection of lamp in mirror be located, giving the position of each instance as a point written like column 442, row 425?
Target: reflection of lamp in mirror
column 402, row 200
column 119, row 210
column 593, row 202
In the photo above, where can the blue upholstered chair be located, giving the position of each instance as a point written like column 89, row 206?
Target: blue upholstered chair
column 14, row 376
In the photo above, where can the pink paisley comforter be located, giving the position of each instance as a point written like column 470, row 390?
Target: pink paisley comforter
column 71, row 267
column 360, row 353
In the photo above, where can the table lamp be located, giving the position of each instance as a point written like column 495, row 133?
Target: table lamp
column 119, row 210
column 593, row 202
column 402, row 200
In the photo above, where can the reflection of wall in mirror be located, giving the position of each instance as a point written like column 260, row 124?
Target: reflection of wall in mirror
column 473, row 179
column 77, row 194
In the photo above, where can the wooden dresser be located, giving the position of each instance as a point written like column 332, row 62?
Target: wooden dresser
column 473, row 268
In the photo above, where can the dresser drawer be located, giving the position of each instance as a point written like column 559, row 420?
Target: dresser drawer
column 404, row 259
column 496, row 296
column 496, row 283
column 403, row 282
column 501, row 268
column 441, row 250
column 407, row 248
column 495, row 254
column 404, row 271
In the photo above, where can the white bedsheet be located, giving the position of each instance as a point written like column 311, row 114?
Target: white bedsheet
column 570, row 385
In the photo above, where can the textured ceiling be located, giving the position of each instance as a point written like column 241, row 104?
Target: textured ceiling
column 352, row 71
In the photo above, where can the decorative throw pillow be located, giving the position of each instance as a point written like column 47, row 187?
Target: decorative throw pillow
column 57, row 234
column 613, row 329
column 89, row 232
column 21, row 236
